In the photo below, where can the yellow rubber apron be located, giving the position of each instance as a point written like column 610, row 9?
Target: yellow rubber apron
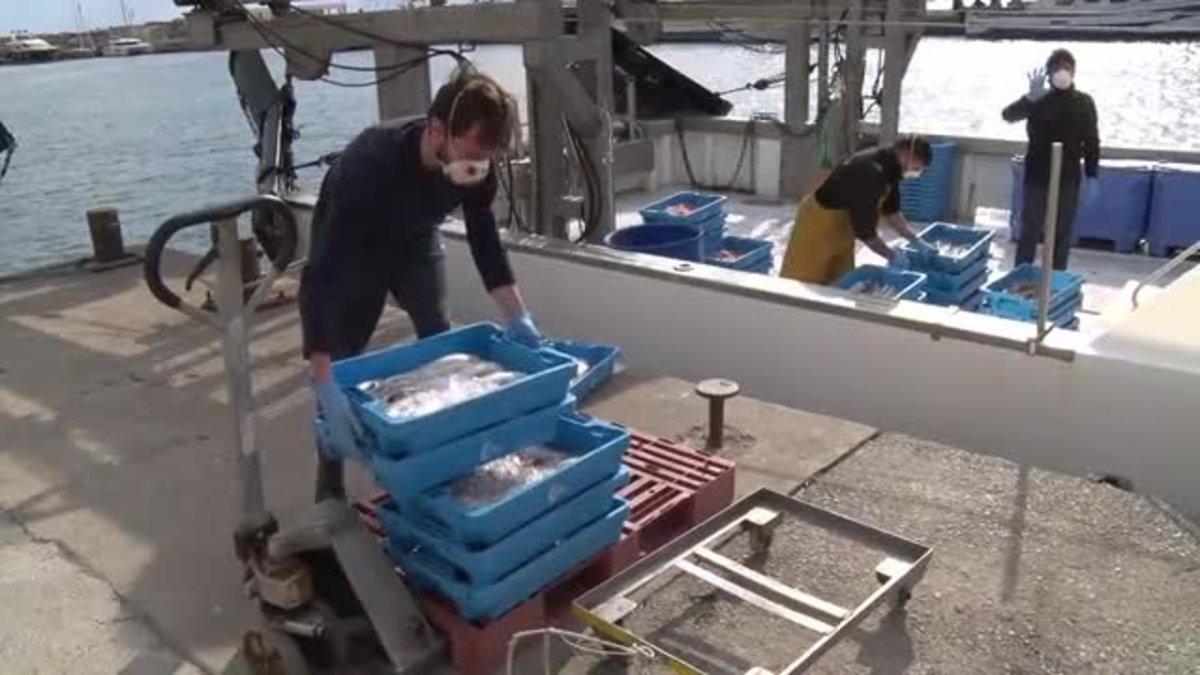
column 821, row 248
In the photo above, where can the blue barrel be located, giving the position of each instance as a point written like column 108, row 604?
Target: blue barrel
column 1118, row 213
column 673, row 241
column 1173, row 222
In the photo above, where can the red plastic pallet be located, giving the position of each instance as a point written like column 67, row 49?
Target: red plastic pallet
column 673, row 488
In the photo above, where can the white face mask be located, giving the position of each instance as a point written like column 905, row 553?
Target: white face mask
column 467, row 172
column 912, row 174
column 1061, row 79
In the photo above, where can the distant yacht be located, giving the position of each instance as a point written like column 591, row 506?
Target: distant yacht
column 127, row 46
column 22, row 48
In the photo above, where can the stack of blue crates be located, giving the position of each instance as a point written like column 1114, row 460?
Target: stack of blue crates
column 927, row 198
column 488, row 557
column 1001, row 297
column 705, row 212
column 953, row 279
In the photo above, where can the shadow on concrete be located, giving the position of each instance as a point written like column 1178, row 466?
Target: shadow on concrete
column 117, row 443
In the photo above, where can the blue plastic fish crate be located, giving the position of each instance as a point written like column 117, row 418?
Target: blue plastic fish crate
column 479, row 566
column 596, row 447
column 546, row 379
column 945, row 282
column 1063, row 286
column 751, row 254
column 978, row 240
column 406, row 477
column 957, row 296
column 1060, row 315
column 425, row 570
column 703, row 205
column 600, row 361
column 910, row 283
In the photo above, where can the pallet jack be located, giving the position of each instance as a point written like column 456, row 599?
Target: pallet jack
column 330, row 599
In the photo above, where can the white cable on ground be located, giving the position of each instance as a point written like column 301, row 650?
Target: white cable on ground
column 576, row 641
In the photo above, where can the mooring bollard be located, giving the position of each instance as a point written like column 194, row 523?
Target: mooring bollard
column 105, row 227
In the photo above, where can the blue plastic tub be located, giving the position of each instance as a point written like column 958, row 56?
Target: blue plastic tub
column 703, row 205
column 946, row 282
column 751, row 254
column 1173, row 222
column 596, row 447
column 479, row 566
column 1119, row 212
column 672, row 241
column 600, row 362
column 1063, row 286
column 427, row 571
column 957, row 296
column 406, row 477
column 712, row 230
column 978, row 240
column 910, row 284
column 547, row 377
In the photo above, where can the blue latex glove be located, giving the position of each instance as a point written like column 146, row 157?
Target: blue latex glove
column 1091, row 189
column 900, row 260
column 342, row 435
column 925, row 252
column 520, row 328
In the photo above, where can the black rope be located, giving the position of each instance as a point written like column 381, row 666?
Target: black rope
column 747, row 132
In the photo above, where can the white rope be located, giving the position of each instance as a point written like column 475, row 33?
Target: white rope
column 578, row 642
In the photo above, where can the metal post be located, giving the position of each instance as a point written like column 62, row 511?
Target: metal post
column 231, row 310
column 796, row 163
column 1048, row 237
column 545, row 115
column 852, row 81
column 895, row 55
column 406, row 93
column 104, row 224
column 823, row 68
column 595, row 23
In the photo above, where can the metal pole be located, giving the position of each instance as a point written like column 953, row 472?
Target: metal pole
column 1056, row 151
column 895, row 56
column 230, row 306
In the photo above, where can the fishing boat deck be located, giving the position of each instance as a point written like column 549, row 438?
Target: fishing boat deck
column 119, row 495
column 1109, row 278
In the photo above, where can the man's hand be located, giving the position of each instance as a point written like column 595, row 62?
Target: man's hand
column 343, row 434
column 899, row 259
column 520, row 328
column 1037, row 84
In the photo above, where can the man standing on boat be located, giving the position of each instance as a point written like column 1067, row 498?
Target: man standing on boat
column 375, row 232
column 848, row 205
column 1058, row 113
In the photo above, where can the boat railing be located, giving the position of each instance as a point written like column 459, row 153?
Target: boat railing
column 1161, row 272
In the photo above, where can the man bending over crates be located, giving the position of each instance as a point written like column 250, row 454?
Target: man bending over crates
column 848, row 206
column 375, row 232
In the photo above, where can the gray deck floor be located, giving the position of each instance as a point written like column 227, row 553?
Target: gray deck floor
column 1109, row 277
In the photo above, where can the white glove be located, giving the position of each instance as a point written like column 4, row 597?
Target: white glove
column 1037, row 84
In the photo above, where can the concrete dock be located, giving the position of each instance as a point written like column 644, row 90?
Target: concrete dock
column 119, row 495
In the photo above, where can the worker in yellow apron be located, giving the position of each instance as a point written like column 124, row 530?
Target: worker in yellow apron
column 848, row 205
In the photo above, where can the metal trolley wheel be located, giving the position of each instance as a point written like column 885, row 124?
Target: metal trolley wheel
column 272, row 652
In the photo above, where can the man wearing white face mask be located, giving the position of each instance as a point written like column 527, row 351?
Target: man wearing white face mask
column 848, row 205
column 375, row 232
column 1058, row 113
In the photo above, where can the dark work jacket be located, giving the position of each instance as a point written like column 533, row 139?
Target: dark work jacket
column 380, row 208
column 858, row 185
column 1065, row 115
